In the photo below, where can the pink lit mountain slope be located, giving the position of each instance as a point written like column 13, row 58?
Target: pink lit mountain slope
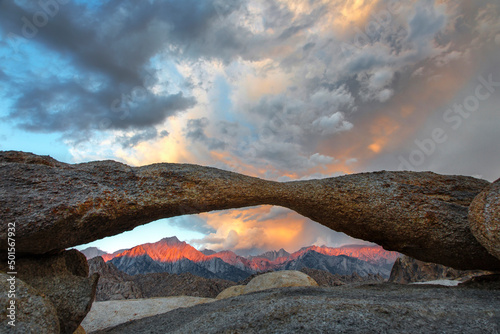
column 173, row 256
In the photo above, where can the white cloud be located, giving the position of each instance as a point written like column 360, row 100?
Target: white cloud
column 332, row 124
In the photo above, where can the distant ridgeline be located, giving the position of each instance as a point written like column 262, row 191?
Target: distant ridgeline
column 173, row 256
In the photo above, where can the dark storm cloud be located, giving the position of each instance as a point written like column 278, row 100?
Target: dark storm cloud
column 63, row 106
column 108, row 49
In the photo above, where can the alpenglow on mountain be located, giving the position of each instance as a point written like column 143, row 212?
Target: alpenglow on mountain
column 173, row 256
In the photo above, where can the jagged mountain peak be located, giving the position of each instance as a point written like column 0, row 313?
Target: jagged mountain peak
column 175, row 256
column 274, row 255
column 208, row 252
column 171, row 241
column 92, row 252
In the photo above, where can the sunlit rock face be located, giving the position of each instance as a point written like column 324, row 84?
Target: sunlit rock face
column 56, row 205
column 407, row 270
column 484, row 217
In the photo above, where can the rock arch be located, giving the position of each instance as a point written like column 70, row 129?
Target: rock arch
column 56, row 205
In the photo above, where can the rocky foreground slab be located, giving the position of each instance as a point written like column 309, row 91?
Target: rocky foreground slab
column 378, row 308
column 56, row 205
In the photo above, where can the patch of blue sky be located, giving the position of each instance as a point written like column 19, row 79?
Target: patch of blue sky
column 91, row 4
column 148, row 233
column 33, row 59
column 13, row 139
column 221, row 99
column 171, row 80
column 223, row 105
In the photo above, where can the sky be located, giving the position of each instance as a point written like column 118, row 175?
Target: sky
column 282, row 90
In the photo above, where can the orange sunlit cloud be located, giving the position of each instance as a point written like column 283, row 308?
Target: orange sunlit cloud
column 264, row 227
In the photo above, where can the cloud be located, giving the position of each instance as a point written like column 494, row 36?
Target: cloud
column 256, row 230
column 192, row 223
column 195, row 131
column 332, row 124
column 108, row 81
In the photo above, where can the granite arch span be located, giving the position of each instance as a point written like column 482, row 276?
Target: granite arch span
column 56, row 205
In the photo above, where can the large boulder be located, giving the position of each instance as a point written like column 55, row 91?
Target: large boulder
column 272, row 280
column 63, row 279
column 113, row 284
column 33, row 311
column 408, row 270
column 232, row 291
column 55, row 205
column 279, row 279
column 484, row 216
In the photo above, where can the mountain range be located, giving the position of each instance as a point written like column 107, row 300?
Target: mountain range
column 173, row 256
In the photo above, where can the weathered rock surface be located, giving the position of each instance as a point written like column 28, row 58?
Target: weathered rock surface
column 422, row 215
column 408, row 270
column 272, row 280
column 111, row 313
column 232, row 291
column 63, row 279
column 185, row 284
column 378, row 308
column 72, row 297
column 484, row 217
column 113, row 284
column 279, row 279
column 80, row 330
column 34, row 312
column 57, row 205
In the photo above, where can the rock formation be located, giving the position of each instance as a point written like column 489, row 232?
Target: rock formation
column 379, row 308
column 277, row 279
column 186, row 284
column 56, row 205
column 113, row 284
column 63, row 279
column 484, row 217
column 116, row 285
column 80, row 330
column 33, row 311
column 232, row 291
column 407, row 270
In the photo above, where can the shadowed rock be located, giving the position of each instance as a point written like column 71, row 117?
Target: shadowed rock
column 63, row 279
column 57, row 205
column 376, row 308
column 33, row 311
column 484, row 217
column 407, row 270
